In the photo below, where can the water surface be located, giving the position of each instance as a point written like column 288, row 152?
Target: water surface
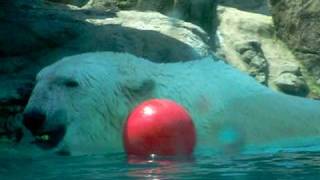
column 280, row 165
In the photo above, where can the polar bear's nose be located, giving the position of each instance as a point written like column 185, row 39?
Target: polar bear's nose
column 33, row 120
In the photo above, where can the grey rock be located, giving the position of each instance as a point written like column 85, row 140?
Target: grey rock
column 260, row 77
column 12, row 65
column 13, row 98
column 114, row 4
column 242, row 47
column 252, row 54
column 257, row 6
column 199, row 12
column 315, row 70
column 291, row 84
column 297, row 23
column 78, row 3
column 248, row 55
column 291, row 68
column 259, row 62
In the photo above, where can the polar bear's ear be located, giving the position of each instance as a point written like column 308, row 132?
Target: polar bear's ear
column 138, row 90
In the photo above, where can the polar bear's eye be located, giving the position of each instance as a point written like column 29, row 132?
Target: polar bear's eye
column 71, row 83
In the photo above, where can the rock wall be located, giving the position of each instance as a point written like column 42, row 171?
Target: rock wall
column 256, row 6
column 297, row 23
column 247, row 41
column 199, row 12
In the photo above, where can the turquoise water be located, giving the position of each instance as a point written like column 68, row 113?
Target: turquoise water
column 281, row 165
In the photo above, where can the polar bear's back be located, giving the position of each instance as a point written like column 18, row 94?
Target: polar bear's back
column 218, row 96
column 214, row 80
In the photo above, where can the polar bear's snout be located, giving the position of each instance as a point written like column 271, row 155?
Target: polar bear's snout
column 46, row 138
column 34, row 120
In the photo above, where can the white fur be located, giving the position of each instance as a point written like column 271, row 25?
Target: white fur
column 230, row 110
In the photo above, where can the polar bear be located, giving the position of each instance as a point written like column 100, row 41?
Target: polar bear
column 80, row 103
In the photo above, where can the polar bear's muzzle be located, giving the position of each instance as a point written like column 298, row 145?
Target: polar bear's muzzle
column 35, row 121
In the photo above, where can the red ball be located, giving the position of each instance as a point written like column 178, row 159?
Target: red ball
column 161, row 127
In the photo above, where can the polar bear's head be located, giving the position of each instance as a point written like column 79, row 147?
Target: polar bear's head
column 80, row 103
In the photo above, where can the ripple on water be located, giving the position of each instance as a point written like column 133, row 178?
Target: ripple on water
column 286, row 166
